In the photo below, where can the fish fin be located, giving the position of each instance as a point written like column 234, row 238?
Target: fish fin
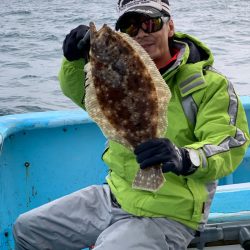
column 149, row 179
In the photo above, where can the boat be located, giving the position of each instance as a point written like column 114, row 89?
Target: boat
column 46, row 155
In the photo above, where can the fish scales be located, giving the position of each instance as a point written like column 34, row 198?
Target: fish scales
column 121, row 100
column 126, row 95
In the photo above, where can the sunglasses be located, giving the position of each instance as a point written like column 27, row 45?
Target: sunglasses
column 149, row 25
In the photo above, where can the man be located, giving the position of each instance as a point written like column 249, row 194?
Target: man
column 206, row 140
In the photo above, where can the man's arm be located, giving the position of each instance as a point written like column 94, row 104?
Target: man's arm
column 221, row 130
column 71, row 75
column 222, row 138
column 72, row 78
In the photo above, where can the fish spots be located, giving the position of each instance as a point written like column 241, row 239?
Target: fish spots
column 126, row 95
column 150, row 178
column 128, row 98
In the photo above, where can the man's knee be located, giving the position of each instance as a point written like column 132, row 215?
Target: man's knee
column 20, row 231
column 19, row 226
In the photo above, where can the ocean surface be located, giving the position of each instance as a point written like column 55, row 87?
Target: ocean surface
column 32, row 32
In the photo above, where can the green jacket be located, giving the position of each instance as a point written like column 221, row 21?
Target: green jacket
column 204, row 114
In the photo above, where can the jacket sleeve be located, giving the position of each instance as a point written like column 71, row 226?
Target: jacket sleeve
column 72, row 78
column 221, row 130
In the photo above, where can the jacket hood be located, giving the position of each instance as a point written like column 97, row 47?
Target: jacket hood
column 188, row 69
column 198, row 51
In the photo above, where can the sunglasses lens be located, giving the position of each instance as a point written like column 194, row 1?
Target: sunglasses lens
column 147, row 25
column 152, row 25
column 131, row 30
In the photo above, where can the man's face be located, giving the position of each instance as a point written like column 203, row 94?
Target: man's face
column 156, row 44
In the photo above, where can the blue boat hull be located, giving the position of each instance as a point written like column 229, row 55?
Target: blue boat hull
column 46, row 155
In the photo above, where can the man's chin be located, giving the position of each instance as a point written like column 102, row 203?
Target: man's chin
column 150, row 50
column 152, row 54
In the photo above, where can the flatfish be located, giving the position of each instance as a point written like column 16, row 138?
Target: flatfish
column 126, row 96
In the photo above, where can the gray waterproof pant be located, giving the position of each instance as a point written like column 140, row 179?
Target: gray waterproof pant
column 91, row 217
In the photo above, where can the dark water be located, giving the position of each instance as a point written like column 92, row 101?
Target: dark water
column 32, row 32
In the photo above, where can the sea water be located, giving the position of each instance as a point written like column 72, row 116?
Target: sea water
column 32, row 33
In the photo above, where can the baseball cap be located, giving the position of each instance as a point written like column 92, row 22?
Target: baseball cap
column 152, row 8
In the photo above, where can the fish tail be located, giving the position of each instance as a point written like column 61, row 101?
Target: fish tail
column 149, row 179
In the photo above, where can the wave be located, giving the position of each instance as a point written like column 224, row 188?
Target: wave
column 16, row 12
